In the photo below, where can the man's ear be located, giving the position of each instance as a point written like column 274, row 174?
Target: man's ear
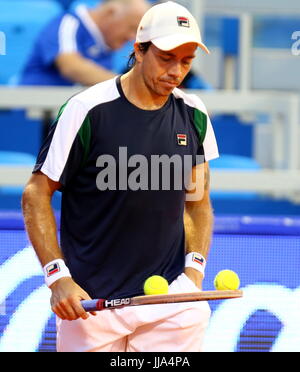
column 138, row 53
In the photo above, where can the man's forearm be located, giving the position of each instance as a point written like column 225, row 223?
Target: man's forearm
column 81, row 70
column 198, row 224
column 198, row 232
column 40, row 225
column 89, row 74
column 198, row 216
column 198, row 229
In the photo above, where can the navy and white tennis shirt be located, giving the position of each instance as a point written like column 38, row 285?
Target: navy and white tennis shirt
column 68, row 33
column 114, row 239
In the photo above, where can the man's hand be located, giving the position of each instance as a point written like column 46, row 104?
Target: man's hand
column 65, row 300
column 195, row 276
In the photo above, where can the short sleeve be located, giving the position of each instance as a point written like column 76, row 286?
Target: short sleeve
column 205, row 130
column 60, row 36
column 210, row 143
column 201, row 120
column 67, row 144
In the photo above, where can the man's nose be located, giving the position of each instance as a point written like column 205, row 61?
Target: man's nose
column 175, row 70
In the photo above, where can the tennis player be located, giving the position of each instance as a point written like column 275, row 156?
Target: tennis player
column 121, row 221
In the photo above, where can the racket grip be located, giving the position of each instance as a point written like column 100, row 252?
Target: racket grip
column 93, row 305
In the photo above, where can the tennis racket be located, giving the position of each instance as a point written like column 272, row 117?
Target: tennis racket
column 102, row 304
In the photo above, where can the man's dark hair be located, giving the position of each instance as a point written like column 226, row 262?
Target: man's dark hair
column 143, row 48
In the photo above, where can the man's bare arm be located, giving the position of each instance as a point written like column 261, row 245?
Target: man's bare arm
column 39, row 217
column 198, row 222
column 81, row 70
column 42, row 231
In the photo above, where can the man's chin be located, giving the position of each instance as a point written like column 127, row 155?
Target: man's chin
column 167, row 91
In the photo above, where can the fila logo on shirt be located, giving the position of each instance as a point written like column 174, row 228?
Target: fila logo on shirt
column 52, row 269
column 182, row 139
column 183, row 22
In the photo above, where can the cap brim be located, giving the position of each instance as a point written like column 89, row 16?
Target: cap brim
column 167, row 43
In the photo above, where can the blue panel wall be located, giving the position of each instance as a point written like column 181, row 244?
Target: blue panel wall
column 265, row 252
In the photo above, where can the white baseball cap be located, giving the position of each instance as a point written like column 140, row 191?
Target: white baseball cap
column 169, row 25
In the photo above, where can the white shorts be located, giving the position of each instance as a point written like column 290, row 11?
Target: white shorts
column 149, row 328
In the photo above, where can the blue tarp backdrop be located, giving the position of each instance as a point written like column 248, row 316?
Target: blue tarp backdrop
column 264, row 251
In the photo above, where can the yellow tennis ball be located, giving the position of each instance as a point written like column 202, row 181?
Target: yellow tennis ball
column 227, row 279
column 156, row 285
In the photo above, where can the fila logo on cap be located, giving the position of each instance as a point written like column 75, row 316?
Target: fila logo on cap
column 183, row 22
column 182, row 139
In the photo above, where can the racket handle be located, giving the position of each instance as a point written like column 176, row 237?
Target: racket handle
column 93, row 305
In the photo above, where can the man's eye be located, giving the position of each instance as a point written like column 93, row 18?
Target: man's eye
column 165, row 59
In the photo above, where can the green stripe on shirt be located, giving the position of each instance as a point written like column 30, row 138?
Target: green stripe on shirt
column 200, row 121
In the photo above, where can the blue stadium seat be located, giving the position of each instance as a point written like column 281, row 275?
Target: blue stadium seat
column 246, row 203
column 231, row 162
column 21, row 21
column 10, row 196
column 16, row 158
column 234, row 162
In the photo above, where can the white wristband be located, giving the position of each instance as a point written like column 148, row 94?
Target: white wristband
column 55, row 270
column 196, row 261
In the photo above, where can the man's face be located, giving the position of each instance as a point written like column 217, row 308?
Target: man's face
column 163, row 71
column 123, row 25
